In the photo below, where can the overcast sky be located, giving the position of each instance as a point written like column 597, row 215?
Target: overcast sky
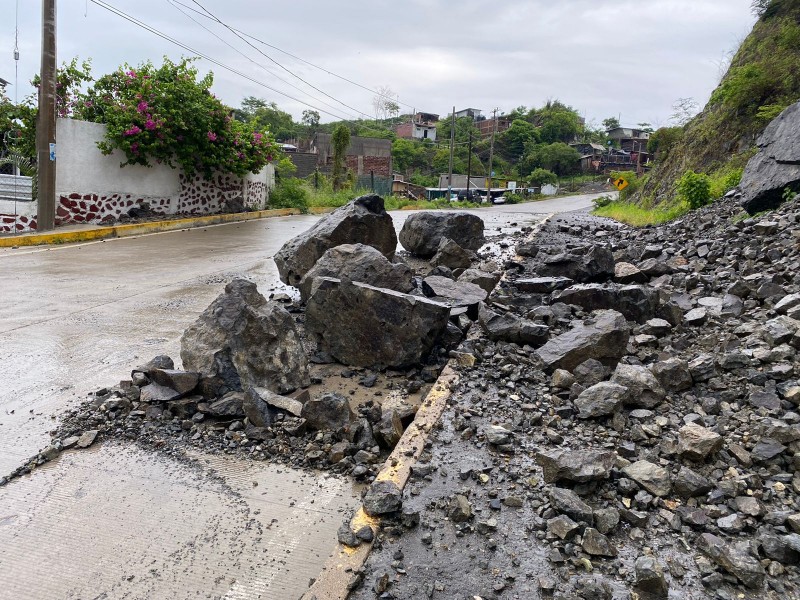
column 632, row 58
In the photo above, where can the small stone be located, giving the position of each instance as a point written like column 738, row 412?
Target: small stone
column 87, row 438
column 596, row 544
column 383, row 497
column 696, row 442
column 651, row 477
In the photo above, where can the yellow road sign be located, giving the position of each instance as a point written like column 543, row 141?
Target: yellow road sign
column 620, row 183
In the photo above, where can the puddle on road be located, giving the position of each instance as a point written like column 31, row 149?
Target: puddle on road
column 119, row 522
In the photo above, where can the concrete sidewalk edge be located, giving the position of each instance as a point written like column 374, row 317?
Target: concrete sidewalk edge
column 118, row 231
column 338, row 574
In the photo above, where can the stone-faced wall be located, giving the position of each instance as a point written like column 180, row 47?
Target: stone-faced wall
column 93, row 188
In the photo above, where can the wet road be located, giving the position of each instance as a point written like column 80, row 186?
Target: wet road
column 76, row 318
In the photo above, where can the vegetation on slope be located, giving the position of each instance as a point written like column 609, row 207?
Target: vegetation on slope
column 763, row 79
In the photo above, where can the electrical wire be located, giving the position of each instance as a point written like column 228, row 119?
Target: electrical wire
column 323, row 69
column 204, row 56
column 235, row 49
column 268, row 57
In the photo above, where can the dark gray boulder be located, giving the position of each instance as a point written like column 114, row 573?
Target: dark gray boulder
column 359, row 262
column 362, row 221
column 637, row 303
column 485, row 280
column 591, row 262
column 423, row 232
column 777, row 164
column 508, row 327
column 604, row 336
column 453, row 293
column 247, row 342
column 365, row 326
column 578, row 466
column 451, row 255
column 329, row 411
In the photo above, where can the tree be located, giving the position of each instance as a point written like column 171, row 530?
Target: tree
column 557, row 121
column 340, row 141
column 540, row 177
column 610, row 123
column 384, row 103
column 558, row 157
column 646, row 127
column 685, row 109
column 403, row 154
column 511, row 143
column 663, row 140
column 311, row 121
column 168, row 115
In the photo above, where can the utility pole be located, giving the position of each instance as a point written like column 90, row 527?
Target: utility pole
column 46, row 125
column 469, row 161
column 452, row 145
column 491, row 156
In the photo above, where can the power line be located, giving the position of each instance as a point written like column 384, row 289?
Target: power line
column 262, row 53
column 202, row 55
column 235, row 49
column 323, row 69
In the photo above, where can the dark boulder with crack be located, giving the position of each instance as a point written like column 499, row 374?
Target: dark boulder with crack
column 451, row 255
column 423, row 232
column 636, row 302
column 509, row 327
column 603, row 336
column 246, row 341
column 361, row 221
column 359, row 262
column 364, row 326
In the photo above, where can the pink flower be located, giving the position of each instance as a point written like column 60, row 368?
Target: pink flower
column 88, row 104
column 212, row 137
column 135, row 147
column 131, row 74
column 257, row 137
column 141, row 107
column 132, row 131
column 150, row 124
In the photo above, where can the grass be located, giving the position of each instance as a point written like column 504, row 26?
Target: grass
column 634, row 215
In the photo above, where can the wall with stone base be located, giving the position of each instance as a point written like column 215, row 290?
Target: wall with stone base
column 93, row 188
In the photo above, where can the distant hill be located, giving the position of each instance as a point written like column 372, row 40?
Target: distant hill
column 762, row 80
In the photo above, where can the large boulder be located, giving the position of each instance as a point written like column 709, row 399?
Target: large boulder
column 777, row 164
column 423, row 232
column 359, row 262
column 246, row 342
column 364, row 326
column 585, row 263
column 604, row 336
column 362, row 221
column 636, row 302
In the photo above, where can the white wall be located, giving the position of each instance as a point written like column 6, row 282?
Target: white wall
column 81, row 166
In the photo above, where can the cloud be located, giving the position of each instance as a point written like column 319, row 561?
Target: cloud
column 603, row 57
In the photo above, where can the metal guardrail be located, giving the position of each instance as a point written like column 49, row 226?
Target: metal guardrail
column 16, row 188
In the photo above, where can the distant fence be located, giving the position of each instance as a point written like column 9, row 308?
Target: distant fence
column 379, row 185
column 16, row 188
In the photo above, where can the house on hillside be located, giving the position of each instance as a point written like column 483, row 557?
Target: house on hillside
column 498, row 125
column 422, row 126
column 591, row 155
column 472, row 113
column 629, row 139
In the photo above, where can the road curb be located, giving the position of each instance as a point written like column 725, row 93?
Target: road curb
column 118, row 231
column 336, row 578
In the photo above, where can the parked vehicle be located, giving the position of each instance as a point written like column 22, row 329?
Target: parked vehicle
column 499, row 200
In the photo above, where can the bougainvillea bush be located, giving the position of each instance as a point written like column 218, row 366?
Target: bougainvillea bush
column 168, row 115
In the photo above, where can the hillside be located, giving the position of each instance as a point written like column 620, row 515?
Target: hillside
column 762, row 80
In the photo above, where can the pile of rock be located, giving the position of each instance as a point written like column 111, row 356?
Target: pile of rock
column 246, row 359
column 660, row 402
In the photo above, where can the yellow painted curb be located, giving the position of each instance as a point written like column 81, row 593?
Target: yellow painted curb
column 68, row 237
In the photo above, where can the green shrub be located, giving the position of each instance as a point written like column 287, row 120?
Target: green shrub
column 724, row 180
column 695, row 189
column 540, row 177
column 602, row 201
column 289, row 193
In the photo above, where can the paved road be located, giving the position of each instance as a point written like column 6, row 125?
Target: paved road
column 76, row 318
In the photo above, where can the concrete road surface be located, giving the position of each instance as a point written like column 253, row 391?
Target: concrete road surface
column 115, row 522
